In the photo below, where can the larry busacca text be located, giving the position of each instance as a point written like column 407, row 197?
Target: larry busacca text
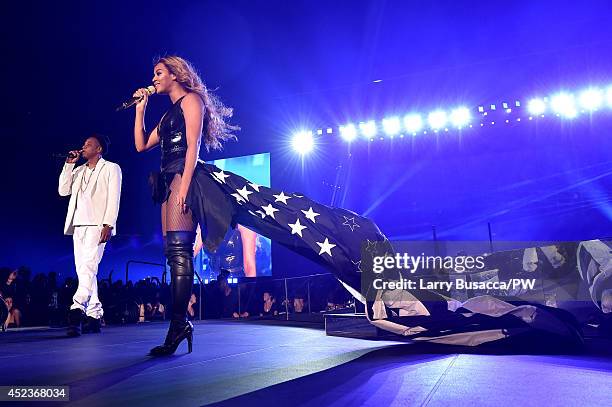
column 459, row 284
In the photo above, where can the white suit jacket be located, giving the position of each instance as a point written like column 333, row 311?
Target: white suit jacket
column 106, row 192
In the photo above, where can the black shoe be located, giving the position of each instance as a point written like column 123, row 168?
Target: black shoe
column 75, row 318
column 177, row 332
column 91, row 325
column 179, row 251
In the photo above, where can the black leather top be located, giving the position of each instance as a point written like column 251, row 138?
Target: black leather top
column 172, row 134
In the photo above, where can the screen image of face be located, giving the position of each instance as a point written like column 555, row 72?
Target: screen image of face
column 243, row 253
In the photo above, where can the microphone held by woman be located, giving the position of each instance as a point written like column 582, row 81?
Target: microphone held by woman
column 135, row 99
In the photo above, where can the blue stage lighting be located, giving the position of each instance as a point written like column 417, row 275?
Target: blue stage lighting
column 437, row 119
column 413, row 122
column 609, row 96
column 348, row 132
column 536, row 106
column 303, row 142
column 591, row 99
column 392, row 126
column 368, row 129
column 460, row 117
column 563, row 104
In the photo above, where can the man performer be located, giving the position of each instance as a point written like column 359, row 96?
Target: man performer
column 95, row 190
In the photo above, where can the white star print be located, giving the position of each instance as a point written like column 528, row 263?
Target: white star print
column 254, row 186
column 358, row 264
column 269, row 210
column 282, row 198
column 238, row 198
column 298, row 195
column 310, row 214
column 325, row 247
column 296, row 228
column 220, row 176
column 350, row 222
column 244, row 192
column 370, row 245
column 263, row 215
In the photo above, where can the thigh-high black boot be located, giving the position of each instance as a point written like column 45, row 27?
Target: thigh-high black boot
column 179, row 251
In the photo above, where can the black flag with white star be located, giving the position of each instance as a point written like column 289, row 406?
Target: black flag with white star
column 335, row 238
column 330, row 236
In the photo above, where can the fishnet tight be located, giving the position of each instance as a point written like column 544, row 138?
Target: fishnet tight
column 173, row 219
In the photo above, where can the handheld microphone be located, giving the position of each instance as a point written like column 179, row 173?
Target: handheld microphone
column 134, row 99
column 64, row 155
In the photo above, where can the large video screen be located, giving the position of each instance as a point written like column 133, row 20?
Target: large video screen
column 243, row 252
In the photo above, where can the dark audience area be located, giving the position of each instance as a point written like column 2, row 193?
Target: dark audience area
column 29, row 300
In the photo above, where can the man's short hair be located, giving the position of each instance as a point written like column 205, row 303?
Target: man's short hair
column 103, row 141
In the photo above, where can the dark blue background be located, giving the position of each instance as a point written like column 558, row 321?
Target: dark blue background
column 286, row 65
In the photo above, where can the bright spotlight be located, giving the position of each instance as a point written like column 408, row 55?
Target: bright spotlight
column 536, row 106
column 303, row 142
column 348, row 132
column 392, row 126
column 413, row 123
column 460, row 117
column 368, row 129
column 591, row 99
column 609, row 96
column 563, row 105
column 437, row 119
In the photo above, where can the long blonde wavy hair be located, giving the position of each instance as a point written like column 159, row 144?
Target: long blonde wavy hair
column 216, row 129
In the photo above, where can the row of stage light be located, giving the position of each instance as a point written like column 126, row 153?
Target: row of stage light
column 232, row 280
column 563, row 104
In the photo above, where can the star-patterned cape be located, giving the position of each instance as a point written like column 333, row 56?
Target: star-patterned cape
column 330, row 236
column 335, row 238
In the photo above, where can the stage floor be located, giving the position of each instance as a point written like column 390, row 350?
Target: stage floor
column 238, row 363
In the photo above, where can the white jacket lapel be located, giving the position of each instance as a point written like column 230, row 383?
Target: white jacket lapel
column 98, row 170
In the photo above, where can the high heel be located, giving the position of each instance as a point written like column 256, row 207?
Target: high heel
column 179, row 251
column 177, row 332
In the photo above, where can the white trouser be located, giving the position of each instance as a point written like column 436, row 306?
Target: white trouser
column 87, row 255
